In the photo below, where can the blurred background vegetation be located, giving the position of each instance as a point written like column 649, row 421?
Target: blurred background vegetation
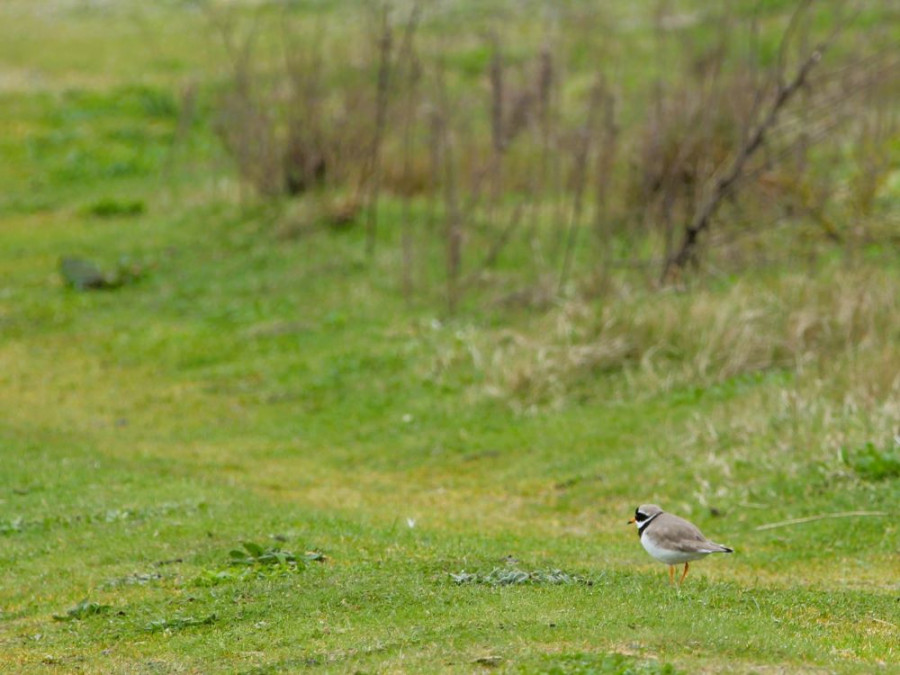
column 498, row 159
column 538, row 150
column 422, row 284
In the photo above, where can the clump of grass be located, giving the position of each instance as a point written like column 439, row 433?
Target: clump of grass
column 872, row 462
column 603, row 664
column 110, row 207
column 137, row 579
column 12, row 525
column 82, row 610
column 84, row 275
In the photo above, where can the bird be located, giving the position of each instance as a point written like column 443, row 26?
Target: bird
column 672, row 540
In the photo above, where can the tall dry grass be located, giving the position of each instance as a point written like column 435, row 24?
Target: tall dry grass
column 841, row 328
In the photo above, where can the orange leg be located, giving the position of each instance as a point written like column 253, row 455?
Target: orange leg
column 672, row 574
column 686, row 565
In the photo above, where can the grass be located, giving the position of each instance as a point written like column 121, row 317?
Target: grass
column 260, row 458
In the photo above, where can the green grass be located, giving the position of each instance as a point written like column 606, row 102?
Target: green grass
column 467, row 480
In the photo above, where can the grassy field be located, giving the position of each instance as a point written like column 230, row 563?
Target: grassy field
column 261, row 457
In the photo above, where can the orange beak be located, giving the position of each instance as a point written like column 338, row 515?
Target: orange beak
column 631, row 521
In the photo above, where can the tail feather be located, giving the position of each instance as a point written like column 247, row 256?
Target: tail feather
column 718, row 548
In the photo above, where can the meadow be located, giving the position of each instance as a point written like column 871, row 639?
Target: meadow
column 397, row 423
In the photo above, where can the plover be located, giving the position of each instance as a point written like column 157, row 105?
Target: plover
column 672, row 540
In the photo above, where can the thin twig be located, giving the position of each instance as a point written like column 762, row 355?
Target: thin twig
column 407, row 60
column 382, row 93
column 584, row 137
column 809, row 519
column 452, row 215
column 496, row 248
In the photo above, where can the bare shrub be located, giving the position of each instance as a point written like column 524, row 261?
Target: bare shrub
column 308, row 151
column 502, row 151
column 776, row 128
column 277, row 116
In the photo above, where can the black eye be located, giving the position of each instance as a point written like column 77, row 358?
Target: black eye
column 638, row 516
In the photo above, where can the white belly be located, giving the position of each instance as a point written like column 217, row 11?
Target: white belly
column 668, row 556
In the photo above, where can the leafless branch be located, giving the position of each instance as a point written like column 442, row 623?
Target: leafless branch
column 725, row 185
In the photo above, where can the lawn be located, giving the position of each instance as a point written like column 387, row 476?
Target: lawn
column 260, row 455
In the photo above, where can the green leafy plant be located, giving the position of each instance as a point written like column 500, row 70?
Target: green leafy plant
column 514, row 577
column 254, row 554
column 873, row 463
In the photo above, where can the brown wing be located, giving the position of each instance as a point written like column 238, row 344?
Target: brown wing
column 680, row 535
